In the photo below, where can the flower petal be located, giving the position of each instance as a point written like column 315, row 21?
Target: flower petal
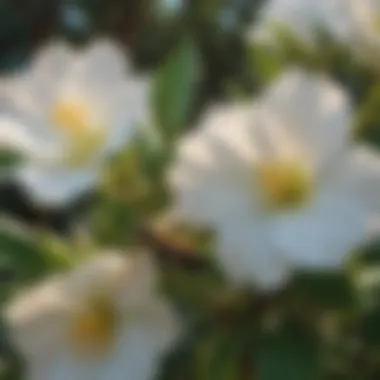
column 303, row 18
column 137, row 352
column 314, row 111
column 322, row 235
column 36, row 319
column 209, row 201
column 49, row 67
column 227, row 130
column 65, row 364
column 52, row 61
column 29, row 141
column 360, row 178
column 210, row 177
column 247, row 256
column 129, row 280
column 140, row 349
column 55, row 187
column 100, row 67
column 128, row 111
column 103, row 272
column 138, row 283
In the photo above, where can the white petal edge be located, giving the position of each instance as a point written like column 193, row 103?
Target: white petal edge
column 248, row 257
column 359, row 176
column 26, row 139
column 42, row 81
column 36, row 318
column 323, row 235
column 315, row 111
column 129, row 111
column 98, row 68
column 55, row 187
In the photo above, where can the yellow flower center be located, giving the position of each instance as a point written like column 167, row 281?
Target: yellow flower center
column 85, row 138
column 284, row 185
column 71, row 117
column 93, row 329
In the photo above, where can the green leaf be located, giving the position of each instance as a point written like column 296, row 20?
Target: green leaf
column 28, row 255
column 10, row 365
column 175, row 89
column 288, row 354
column 220, row 354
column 21, row 253
column 266, row 63
column 114, row 221
column 327, row 290
column 367, row 118
column 371, row 326
column 9, row 159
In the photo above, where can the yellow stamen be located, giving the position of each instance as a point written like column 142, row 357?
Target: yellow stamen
column 284, row 185
column 71, row 117
column 93, row 330
column 85, row 138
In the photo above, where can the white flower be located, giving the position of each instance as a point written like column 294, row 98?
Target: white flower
column 353, row 23
column 104, row 320
column 303, row 18
column 279, row 180
column 69, row 111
